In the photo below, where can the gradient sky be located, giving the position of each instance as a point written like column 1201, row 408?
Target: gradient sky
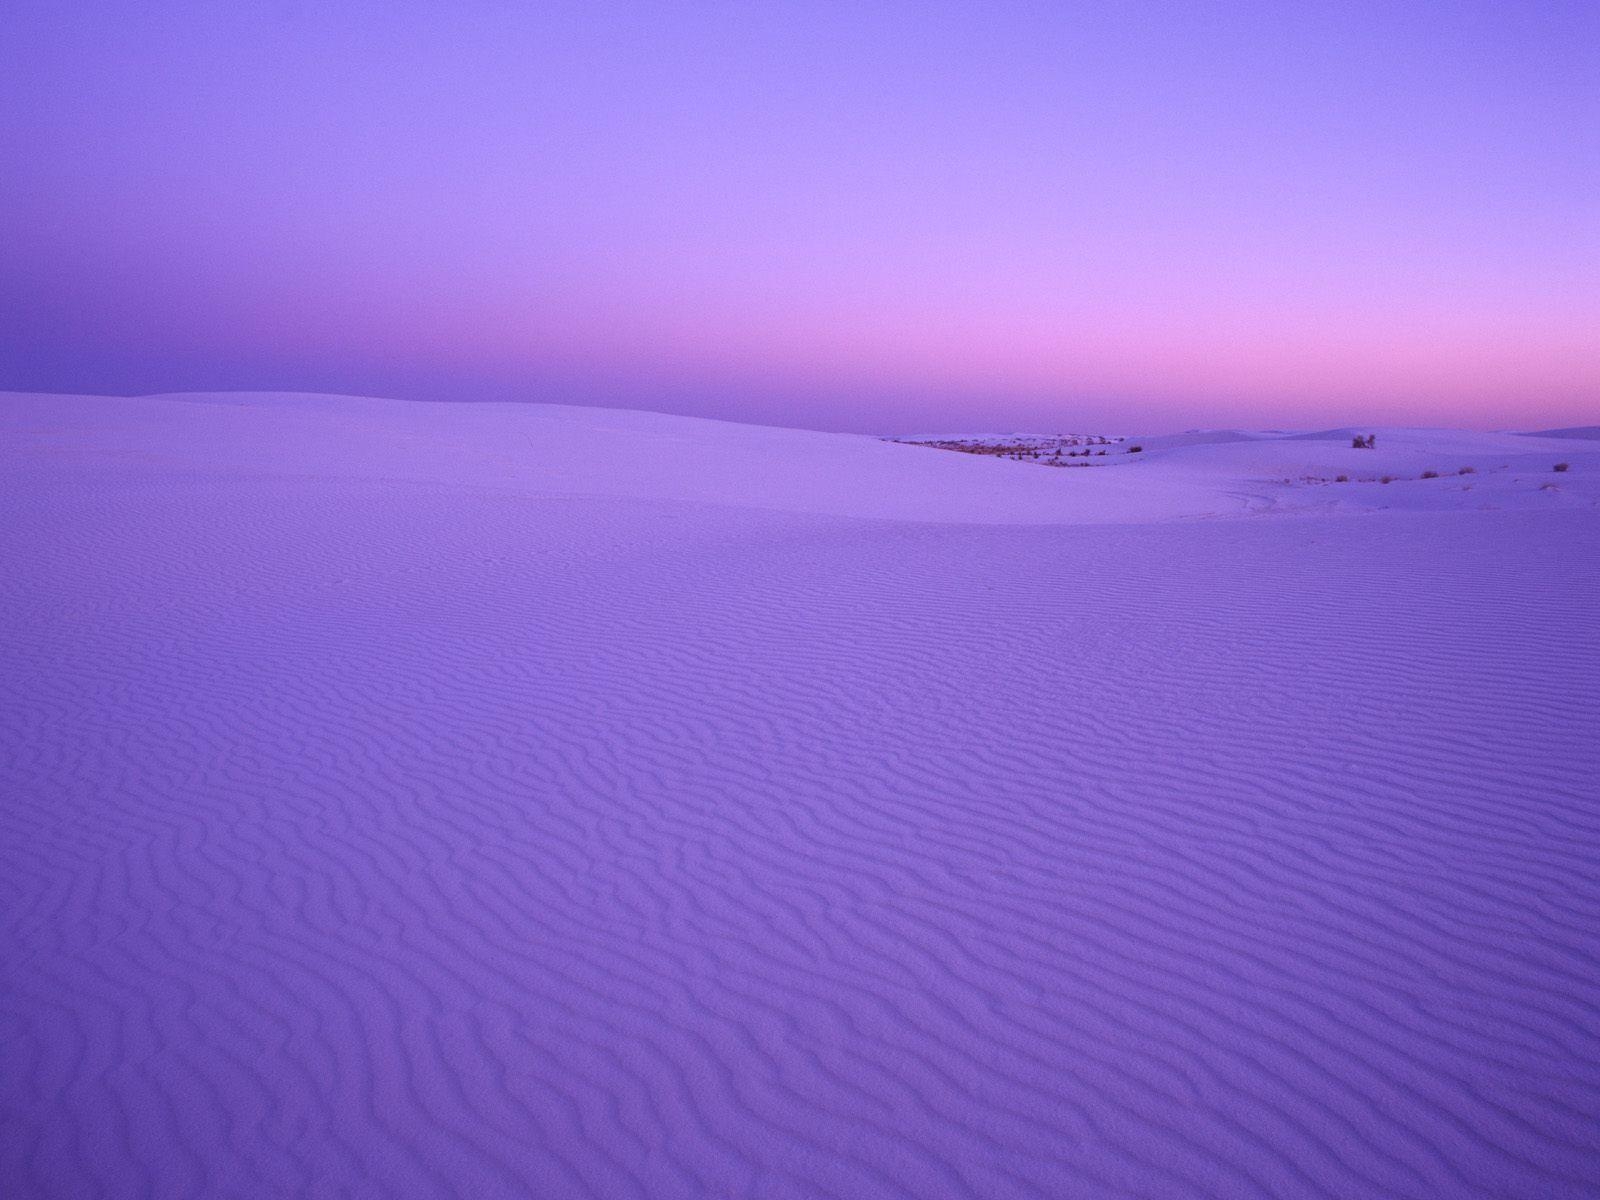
column 885, row 217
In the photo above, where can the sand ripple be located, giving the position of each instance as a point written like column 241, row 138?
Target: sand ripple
column 378, row 839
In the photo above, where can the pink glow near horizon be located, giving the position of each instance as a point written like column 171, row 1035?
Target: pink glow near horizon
column 923, row 216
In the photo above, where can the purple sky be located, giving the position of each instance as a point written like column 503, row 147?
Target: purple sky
column 875, row 216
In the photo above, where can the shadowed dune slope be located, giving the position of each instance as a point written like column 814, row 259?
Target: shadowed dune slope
column 396, row 837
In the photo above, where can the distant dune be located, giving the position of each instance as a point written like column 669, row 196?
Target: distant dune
column 553, row 451
column 1582, row 432
column 416, row 800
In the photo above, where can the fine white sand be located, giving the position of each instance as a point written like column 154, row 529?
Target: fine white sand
column 496, row 801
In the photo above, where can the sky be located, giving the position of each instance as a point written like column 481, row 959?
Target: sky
column 872, row 216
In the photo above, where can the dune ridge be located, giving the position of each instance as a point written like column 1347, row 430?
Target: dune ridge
column 373, row 833
column 550, row 451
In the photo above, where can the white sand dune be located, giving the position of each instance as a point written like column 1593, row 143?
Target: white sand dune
column 491, row 801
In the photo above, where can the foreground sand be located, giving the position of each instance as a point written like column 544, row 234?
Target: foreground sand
column 430, row 800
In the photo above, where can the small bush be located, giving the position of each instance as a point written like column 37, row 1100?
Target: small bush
column 1135, row 449
column 1430, row 474
column 1563, row 466
column 1387, row 479
column 1467, row 471
column 1341, row 479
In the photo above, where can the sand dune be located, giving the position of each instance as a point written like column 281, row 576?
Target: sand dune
column 435, row 800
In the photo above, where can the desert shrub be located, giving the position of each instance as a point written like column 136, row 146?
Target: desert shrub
column 1430, row 474
column 1467, row 471
column 1387, row 479
column 1563, row 466
column 1135, row 449
column 1341, row 479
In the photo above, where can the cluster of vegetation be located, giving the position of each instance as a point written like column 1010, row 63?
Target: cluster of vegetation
column 1364, row 443
column 1047, row 451
column 1430, row 474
